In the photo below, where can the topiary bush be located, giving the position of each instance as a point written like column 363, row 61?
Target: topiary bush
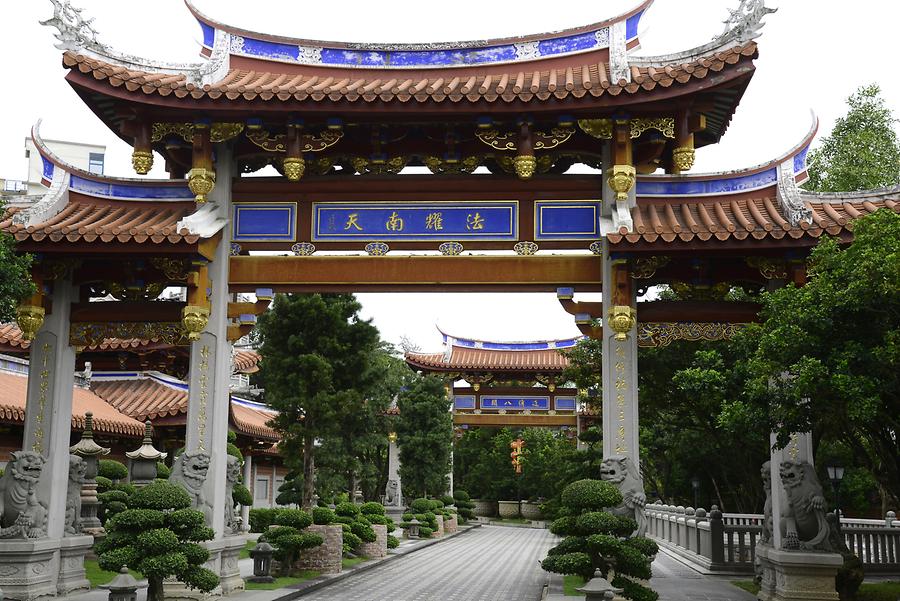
column 392, row 541
column 420, row 505
column 465, row 508
column 294, row 518
column 162, row 471
column 323, row 515
column 113, row 470
column 290, row 541
column 262, row 518
column 157, row 535
column 371, row 508
column 447, row 500
column 597, row 540
column 240, row 495
column 425, row 532
column 347, row 510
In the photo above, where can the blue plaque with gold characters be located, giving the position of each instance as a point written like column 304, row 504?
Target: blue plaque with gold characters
column 516, row 403
column 415, row 221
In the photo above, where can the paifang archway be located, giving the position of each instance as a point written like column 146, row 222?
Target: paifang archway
column 339, row 122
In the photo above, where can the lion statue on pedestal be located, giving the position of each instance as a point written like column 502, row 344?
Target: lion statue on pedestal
column 803, row 522
column 21, row 514
column 621, row 471
column 77, row 469
column 190, row 471
column 232, row 476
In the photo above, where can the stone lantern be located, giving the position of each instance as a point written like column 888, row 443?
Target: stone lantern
column 413, row 530
column 599, row 588
column 262, row 562
column 123, row 587
column 90, row 452
column 144, row 459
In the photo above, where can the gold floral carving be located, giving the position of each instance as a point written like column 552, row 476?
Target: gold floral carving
column 687, row 291
column 557, row 136
column 597, row 128
column 294, row 168
column 29, row 318
column 664, row 333
column 308, row 143
column 683, row 158
column 645, row 268
column 497, row 140
column 664, row 125
column 507, row 163
column 392, row 165
column 621, row 180
column 526, row 248
column 218, row 132
column 771, row 269
column 125, row 292
column 194, row 320
column 58, row 269
column 525, row 165
column 438, row 166
column 175, row 270
column 201, row 181
column 508, row 141
column 621, row 320
column 93, row 334
column 221, row 132
column 142, row 161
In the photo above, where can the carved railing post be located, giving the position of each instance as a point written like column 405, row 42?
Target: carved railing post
column 717, row 536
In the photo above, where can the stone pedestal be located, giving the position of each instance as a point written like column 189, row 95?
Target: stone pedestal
column 178, row 591
column 26, row 569
column 326, row 558
column 485, row 508
column 230, row 575
column 377, row 549
column 451, row 525
column 797, row 575
column 440, row 523
column 72, row 579
column 508, row 509
column 531, row 511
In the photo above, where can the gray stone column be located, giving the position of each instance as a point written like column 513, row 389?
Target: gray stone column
column 48, row 408
column 619, row 365
column 248, row 482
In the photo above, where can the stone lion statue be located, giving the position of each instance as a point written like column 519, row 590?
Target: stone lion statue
column 622, row 472
column 21, row 514
column 392, row 494
column 190, row 471
column 803, row 522
column 765, row 537
column 77, row 469
column 232, row 475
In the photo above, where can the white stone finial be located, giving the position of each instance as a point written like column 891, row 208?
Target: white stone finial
column 74, row 32
column 745, row 22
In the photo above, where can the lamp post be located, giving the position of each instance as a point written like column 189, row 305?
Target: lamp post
column 835, row 474
column 695, row 485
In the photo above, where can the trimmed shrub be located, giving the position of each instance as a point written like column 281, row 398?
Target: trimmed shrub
column 323, row 515
column 425, row 532
column 162, row 470
column 347, row 509
column 262, row 518
column 392, row 542
column 112, row 470
column 240, row 495
column 371, row 508
column 351, row 541
column 103, row 484
column 363, row 531
column 465, row 508
column 420, row 505
column 160, row 495
column 294, row 518
column 590, row 495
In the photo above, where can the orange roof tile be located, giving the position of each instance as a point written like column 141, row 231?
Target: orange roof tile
column 461, row 358
column 253, row 421
column 246, row 361
column 741, row 217
column 91, row 219
column 13, row 391
column 11, row 341
column 519, row 82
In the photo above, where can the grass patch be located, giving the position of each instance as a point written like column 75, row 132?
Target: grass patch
column 748, row 585
column 245, row 552
column 281, row 582
column 570, row 583
column 879, row 591
column 97, row 577
column 347, row 563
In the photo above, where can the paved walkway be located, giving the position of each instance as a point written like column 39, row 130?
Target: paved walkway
column 675, row 581
column 491, row 563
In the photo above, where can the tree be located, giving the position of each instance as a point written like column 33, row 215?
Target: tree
column 15, row 275
column 828, row 356
column 157, row 535
column 862, row 151
column 425, row 433
column 597, row 540
column 318, row 358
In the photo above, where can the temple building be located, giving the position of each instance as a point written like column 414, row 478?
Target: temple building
column 496, row 123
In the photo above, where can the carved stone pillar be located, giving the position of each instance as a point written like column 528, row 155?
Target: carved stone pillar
column 248, row 482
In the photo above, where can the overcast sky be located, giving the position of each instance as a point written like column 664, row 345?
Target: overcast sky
column 813, row 54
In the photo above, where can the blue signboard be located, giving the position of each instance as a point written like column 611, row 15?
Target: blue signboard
column 415, row 221
column 463, row 402
column 565, row 403
column 539, row 403
column 264, row 222
column 567, row 220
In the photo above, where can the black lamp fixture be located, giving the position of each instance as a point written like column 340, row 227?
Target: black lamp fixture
column 835, row 474
column 695, row 484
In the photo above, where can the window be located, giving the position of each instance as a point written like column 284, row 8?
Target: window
column 262, row 488
column 95, row 163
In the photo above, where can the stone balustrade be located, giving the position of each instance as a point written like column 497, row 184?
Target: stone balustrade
column 726, row 542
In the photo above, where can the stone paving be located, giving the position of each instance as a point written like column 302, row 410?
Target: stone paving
column 675, row 581
column 491, row 563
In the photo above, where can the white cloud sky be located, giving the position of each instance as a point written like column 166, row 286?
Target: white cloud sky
column 813, row 55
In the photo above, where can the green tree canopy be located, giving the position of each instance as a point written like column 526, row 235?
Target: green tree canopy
column 828, row 359
column 318, row 360
column 862, row 151
column 425, row 434
column 15, row 276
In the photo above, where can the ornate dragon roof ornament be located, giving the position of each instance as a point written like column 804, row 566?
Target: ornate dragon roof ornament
column 745, row 22
column 76, row 34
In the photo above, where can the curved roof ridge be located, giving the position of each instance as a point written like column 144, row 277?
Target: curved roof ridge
column 743, row 25
column 470, row 341
column 796, row 151
column 218, row 25
column 76, row 34
column 856, row 195
column 53, row 158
